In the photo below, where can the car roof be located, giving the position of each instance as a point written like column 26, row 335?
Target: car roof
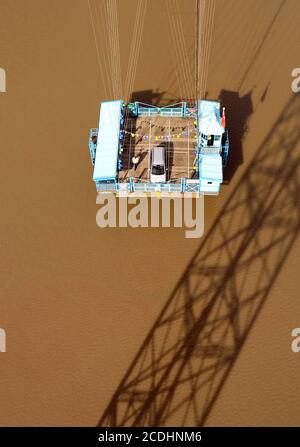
column 158, row 155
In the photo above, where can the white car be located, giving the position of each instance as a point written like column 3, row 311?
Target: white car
column 158, row 165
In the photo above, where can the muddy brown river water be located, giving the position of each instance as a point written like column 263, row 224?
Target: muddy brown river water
column 77, row 301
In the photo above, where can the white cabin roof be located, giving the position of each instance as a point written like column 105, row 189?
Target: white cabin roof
column 210, row 168
column 108, row 141
column 209, row 120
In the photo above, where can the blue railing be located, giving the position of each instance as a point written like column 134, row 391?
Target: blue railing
column 106, row 186
column 148, row 111
column 192, row 186
column 225, row 148
column 92, row 145
column 184, row 186
column 142, row 187
column 142, row 109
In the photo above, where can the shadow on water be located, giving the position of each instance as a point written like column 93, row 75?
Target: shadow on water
column 155, row 97
column 183, row 363
column 150, row 96
column 238, row 110
column 264, row 38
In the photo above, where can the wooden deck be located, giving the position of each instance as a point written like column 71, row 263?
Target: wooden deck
column 144, row 133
